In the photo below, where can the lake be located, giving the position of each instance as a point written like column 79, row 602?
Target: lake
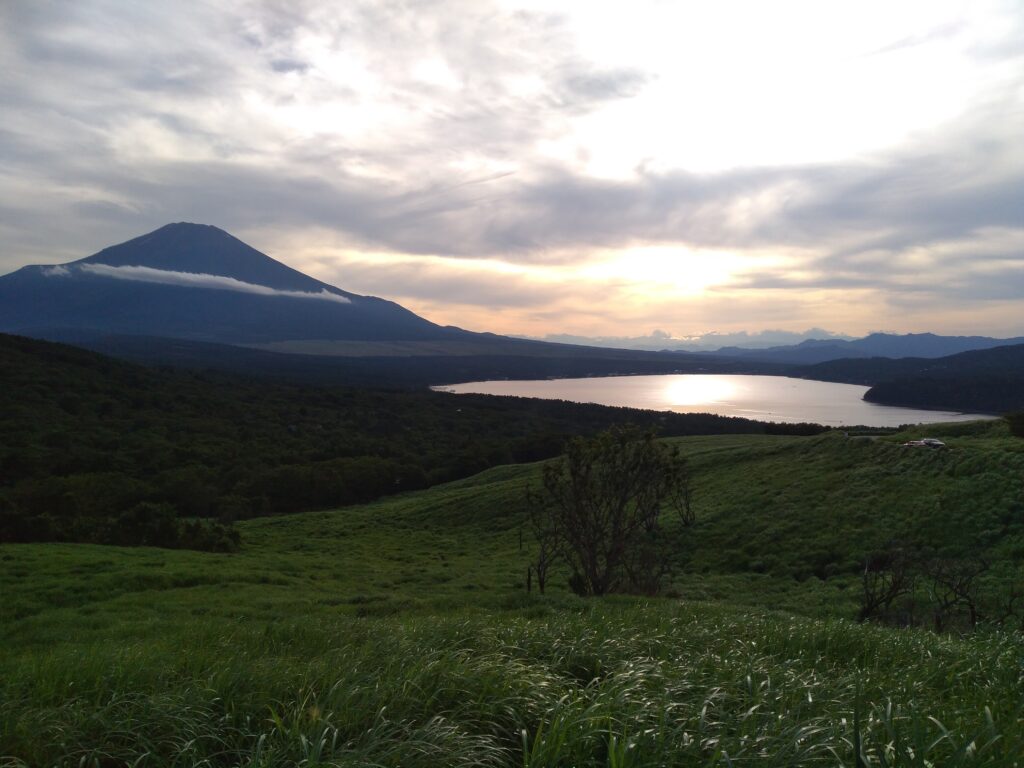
column 765, row 398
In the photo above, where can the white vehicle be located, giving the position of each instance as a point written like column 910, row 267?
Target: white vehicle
column 925, row 442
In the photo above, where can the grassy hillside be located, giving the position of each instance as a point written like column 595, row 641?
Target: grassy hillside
column 399, row 632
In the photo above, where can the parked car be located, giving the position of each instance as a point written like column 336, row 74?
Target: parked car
column 925, row 442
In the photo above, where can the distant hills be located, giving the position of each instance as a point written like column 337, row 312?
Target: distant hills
column 194, row 296
column 927, row 345
column 661, row 341
column 813, row 346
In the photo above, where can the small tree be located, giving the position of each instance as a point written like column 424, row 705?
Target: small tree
column 599, row 510
column 1006, row 604
column 954, row 583
column 1015, row 421
column 545, row 555
column 888, row 575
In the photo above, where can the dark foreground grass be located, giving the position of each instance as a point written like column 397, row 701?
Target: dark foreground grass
column 543, row 684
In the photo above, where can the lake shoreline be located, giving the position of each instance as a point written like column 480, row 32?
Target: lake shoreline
column 760, row 397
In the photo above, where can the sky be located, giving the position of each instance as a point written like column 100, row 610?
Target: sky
column 589, row 168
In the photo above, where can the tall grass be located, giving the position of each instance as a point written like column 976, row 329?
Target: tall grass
column 609, row 684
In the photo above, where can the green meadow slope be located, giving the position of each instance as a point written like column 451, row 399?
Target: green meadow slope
column 400, row 632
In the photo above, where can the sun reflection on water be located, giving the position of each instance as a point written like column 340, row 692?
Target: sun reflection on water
column 698, row 390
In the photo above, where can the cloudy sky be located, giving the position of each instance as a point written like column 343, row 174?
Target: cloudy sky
column 598, row 168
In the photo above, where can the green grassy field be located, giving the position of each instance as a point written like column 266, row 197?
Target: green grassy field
column 400, row 633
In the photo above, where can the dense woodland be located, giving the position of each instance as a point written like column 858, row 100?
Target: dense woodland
column 995, row 393
column 986, row 380
column 94, row 449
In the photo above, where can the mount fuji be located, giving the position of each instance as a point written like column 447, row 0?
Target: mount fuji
column 197, row 282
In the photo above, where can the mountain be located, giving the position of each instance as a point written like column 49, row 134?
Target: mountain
column 193, row 296
column 805, row 353
column 193, row 281
column 924, row 345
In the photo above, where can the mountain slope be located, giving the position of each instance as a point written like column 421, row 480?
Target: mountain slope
column 198, row 282
column 202, row 248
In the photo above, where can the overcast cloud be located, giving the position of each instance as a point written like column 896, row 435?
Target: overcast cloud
column 542, row 167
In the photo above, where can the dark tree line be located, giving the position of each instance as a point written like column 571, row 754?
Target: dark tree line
column 995, row 392
column 907, row 584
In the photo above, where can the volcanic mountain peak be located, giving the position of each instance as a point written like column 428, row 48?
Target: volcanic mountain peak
column 196, row 281
column 205, row 249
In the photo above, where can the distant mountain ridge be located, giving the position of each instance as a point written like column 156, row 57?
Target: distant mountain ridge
column 807, row 348
column 925, row 345
column 661, row 341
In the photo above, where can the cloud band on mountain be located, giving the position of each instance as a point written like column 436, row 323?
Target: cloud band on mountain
column 195, row 280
